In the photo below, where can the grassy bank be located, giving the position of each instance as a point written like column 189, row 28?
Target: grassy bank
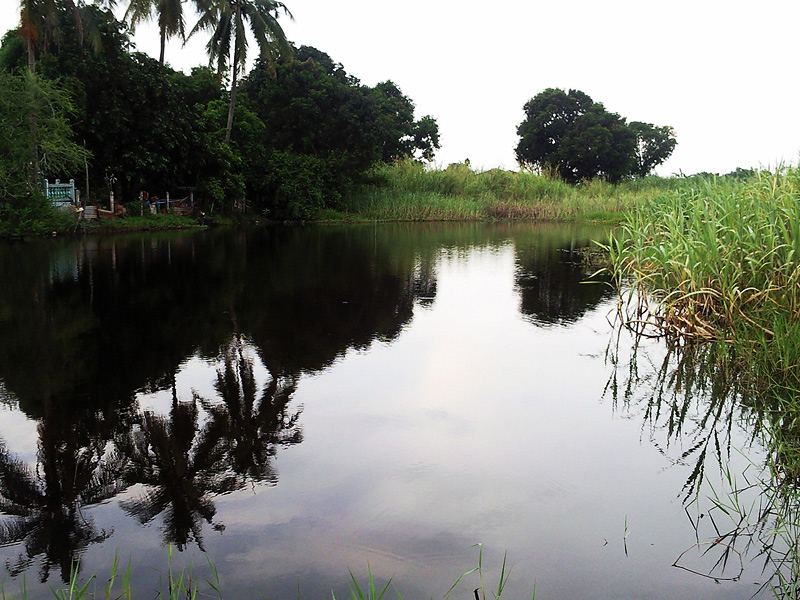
column 409, row 192
column 721, row 261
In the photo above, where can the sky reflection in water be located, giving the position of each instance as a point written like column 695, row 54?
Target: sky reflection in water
column 410, row 391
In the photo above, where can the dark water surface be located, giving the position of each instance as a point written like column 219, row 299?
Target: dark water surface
column 298, row 402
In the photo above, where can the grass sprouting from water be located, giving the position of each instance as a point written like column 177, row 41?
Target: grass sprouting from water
column 370, row 591
column 181, row 585
column 715, row 269
column 480, row 591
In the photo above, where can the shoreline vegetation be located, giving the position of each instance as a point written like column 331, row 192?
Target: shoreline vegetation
column 183, row 584
column 719, row 263
column 407, row 191
column 714, row 270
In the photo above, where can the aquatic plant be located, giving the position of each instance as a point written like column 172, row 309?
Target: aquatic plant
column 182, row 585
column 719, row 261
column 714, row 269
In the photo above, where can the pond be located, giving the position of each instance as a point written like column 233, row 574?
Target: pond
column 296, row 403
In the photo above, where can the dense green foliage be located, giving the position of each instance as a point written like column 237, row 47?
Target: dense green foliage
column 722, row 259
column 575, row 137
column 304, row 130
column 409, row 191
column 34, row 142
column 229, row 21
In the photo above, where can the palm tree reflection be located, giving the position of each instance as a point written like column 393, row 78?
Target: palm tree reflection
column 252, row 430
column 180, row 468
column 45, row 503
column 183, row 463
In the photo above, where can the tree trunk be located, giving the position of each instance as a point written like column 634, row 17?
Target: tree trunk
column 233, row 101
column 31, row 54
column 237, row 21
column 163, row 45
column 33, row 172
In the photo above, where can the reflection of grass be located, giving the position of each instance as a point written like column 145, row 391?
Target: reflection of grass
column 696, row 397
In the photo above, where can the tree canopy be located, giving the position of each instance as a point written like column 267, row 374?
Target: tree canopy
column 304, row 130
column 577, row 138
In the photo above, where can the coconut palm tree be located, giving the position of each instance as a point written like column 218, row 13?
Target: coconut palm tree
column 228, row 21
column 38, row 23
column 170, row 18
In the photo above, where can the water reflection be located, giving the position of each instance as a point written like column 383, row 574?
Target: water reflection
column 93, row 327
column 73, row 471
column 741, row 495
column 181, row 467
column 556, row 282
column 252, row 429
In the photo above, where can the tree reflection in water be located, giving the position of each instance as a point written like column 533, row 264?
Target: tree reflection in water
column 73, row 471
column 183, row 464
column 252, row 430
column 180, row 467
column 694, row 399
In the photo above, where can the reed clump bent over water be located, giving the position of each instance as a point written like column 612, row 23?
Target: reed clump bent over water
column 714, row 268
column 719, row 261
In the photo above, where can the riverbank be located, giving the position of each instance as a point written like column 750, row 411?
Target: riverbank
column 407, row 191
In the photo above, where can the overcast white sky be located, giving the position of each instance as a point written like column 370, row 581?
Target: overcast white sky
column 723, row 74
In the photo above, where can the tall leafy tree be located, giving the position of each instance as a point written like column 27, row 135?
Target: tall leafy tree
column 35, row 135
column 229, row 21
column 577, row 138
column 169, row 14
column 399, row 136
column 654, row 145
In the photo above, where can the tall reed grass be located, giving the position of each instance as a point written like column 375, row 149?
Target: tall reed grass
column 407, row 191
column 716, row 266
column 720, row 260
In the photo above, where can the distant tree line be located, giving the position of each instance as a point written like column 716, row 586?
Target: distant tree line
column 576, row 138
column 287, row 139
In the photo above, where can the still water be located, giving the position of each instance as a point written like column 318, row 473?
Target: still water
column 300, row 401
